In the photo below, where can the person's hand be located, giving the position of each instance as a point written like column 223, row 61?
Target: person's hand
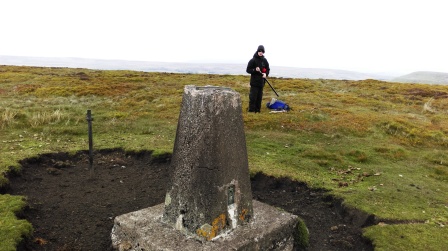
column 264, row 75
column 257, row 69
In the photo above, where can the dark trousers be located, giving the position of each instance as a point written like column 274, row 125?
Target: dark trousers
column 255, row 97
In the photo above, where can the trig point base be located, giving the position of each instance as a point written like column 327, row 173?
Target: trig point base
column 270, row 229
column 208, row 205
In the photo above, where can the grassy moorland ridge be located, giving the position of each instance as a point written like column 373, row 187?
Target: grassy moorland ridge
column 380, row 146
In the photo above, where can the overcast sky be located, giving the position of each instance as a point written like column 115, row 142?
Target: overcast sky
column 397, row 36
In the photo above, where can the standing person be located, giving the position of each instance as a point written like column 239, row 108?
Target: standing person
column 258, row 68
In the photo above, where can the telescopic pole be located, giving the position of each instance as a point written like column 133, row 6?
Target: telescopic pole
column 271, row 87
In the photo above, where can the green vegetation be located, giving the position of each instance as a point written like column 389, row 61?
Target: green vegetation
column 12, row 230
column 400, row 237
column 302, row 235
column 382, row 147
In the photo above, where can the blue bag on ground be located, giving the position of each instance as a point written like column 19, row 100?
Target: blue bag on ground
column 278, row 105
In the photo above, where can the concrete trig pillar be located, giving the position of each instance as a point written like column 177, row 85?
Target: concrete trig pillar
column 210, row 197
column 210, row 185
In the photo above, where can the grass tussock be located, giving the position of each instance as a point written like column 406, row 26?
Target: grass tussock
column 7, row 118
column 380, row 146
column 46, row 118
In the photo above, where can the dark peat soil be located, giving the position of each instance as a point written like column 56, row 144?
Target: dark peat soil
column 73, row 208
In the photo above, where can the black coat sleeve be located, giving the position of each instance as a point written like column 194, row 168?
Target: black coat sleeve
column 251, row 67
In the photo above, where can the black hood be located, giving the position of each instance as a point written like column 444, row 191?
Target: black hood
column 256, row 55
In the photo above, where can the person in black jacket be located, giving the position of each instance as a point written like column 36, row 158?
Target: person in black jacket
column 258, row 68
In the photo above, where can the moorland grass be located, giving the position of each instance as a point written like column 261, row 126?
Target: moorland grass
column 380, row 146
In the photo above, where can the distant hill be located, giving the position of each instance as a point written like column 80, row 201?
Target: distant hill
column 424, row 77
column 205, row 68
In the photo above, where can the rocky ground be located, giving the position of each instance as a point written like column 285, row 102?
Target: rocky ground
column 72, row 207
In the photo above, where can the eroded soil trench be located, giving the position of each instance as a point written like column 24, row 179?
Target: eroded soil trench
column 72, row 208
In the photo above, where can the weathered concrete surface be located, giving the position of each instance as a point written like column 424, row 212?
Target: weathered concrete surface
column 208, row 205
column 210, row 185
column 269, row 229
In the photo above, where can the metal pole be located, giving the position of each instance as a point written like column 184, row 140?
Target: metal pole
column 271, row 86
column 89, row 121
